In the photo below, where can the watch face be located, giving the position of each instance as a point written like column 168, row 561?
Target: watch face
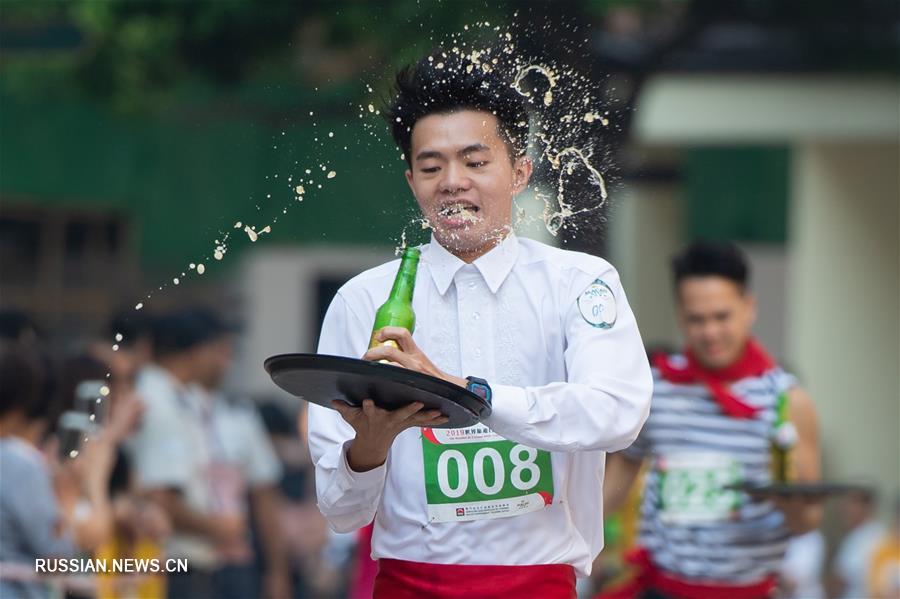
column 479, row 390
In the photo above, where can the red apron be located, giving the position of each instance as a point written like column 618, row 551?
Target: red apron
column 648, row 577
column 399, row 579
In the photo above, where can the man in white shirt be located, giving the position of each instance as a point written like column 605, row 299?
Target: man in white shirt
column 200, row 456
column 511, row 507
column 863, row 534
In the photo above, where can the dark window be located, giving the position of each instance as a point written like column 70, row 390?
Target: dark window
column 20, row 242
column 327, row 286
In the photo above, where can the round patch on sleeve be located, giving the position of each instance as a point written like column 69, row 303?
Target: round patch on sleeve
column 597, row 305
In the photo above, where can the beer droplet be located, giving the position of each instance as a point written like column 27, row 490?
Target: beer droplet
column 201, row 269
column 139, row 306
column 331, row 174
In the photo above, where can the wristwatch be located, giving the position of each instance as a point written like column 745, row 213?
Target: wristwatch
column 480, row 388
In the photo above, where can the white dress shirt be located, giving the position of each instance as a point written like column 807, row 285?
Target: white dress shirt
column 552, row 333
column 209, row 448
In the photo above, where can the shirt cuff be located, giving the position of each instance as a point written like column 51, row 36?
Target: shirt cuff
column 361, row 481
column 509, row 410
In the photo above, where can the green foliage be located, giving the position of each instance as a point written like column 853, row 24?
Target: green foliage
column 140, row 55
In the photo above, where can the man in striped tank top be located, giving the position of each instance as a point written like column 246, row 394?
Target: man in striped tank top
column 718, row 409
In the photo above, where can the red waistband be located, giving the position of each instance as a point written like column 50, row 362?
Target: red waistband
column 650, row 577
column 400, row 579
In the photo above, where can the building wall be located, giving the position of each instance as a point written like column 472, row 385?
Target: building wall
column 844, row 304
column 646, row 230
column 185, row 177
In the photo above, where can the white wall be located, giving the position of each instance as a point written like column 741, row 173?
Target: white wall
column 278, row 304
column 844, row 304
column 677, row 109
column 646, row 231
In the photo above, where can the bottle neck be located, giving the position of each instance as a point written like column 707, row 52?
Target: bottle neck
column 405, row 282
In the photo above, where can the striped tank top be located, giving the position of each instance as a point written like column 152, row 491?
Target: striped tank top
column 692, row 525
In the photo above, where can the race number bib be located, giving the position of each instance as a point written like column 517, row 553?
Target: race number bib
column 692, row 487
column 474, row 474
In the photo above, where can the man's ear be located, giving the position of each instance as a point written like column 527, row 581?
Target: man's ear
column 409, row 181
column 522, row 169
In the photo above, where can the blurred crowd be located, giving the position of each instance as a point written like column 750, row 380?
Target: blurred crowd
column 130, row 447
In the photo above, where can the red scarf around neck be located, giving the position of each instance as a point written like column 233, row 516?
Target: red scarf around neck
column 753, row 362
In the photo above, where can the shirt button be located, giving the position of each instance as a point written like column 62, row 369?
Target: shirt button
column 471, row 284
column 477, row 353
column 475, row 315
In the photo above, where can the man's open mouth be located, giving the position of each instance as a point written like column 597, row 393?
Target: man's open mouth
column 463, row 210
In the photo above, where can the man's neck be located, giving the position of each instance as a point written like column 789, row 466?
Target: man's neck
column 472, row 256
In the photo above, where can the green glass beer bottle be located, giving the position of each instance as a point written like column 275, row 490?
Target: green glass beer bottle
column 397, row 311
column 783, row 440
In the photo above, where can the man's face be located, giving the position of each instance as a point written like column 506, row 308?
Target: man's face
column 212, row 360
column 464, row 180
column 716, row 318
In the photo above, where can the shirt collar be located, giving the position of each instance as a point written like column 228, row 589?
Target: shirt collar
column 494, row 266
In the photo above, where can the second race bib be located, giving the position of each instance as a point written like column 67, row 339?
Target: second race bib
column 474, row 474
column 692, row 487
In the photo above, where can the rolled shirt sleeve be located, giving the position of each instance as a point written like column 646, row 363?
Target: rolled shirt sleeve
column 347, row 499
column 606, row 398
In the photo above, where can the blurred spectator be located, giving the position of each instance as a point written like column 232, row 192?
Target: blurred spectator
column 323, row 555
column 884, row 572
column 127, row 346
column 139, row 524
column 365, row 569
column 804, row 563
column 120, row 408
column 854, row 556
column 47, row 509
column 723, row 414
column 304, row 528
column 200, row 455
